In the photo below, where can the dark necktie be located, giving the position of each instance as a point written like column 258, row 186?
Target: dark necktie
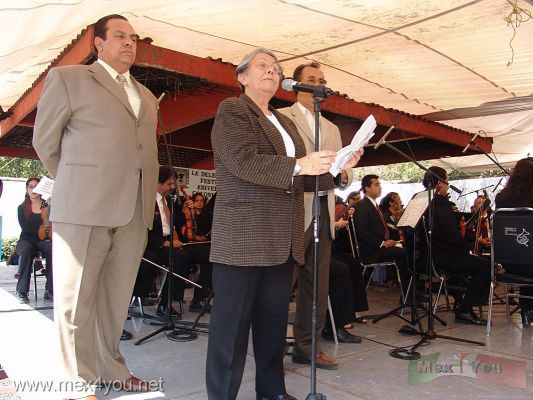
column 387, row 235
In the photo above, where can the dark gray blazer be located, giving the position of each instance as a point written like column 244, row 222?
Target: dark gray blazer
column 259, row 213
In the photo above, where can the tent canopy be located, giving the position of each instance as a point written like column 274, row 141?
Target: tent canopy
column 445, row 61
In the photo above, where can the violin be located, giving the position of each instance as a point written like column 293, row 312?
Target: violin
column 342, row 211
column 189, row 230
column 45, row 230
column 482, row 227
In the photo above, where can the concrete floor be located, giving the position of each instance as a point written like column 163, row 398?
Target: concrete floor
column 366, row 370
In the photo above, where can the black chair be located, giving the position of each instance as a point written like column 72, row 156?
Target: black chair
column 373, row 266
column 37, row 272
column 512, row 235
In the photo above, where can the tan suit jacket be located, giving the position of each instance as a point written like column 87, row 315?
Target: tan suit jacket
column 93, row 145
column 258, row 218
column 330, row 139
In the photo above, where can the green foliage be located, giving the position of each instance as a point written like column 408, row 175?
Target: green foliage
column 21, row 167
column 409, row 172
column 403, row 172
column 8, row 246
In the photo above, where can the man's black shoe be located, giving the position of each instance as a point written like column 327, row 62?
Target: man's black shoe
column 343, row 336
column 22, row 297
column 126, row 335
column 469, row 318
column 161, row 312
column 285, row 396
column 196, row 306
column 48, row 295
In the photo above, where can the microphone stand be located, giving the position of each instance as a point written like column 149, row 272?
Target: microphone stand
column 168, row 324
column 474, row 191
column 430, row 333
column 318, row 96
column 473, row 142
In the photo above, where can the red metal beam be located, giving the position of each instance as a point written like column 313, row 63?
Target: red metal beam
column 76, row 53
column 191, row 110
column 213, row 71
column 17, row 152
column 187, row 109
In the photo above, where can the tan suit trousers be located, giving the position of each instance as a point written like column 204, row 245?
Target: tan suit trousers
column 304, row 296
column 96, row 269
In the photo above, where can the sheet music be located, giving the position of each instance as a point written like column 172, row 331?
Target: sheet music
column 44, row 188
column 415, row 209
column 360, row 139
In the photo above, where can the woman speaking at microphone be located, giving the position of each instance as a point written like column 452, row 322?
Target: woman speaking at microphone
column 257, row 231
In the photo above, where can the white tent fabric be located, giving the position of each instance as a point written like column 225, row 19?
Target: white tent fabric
column 424, row 57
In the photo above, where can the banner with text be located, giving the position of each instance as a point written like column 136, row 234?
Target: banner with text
column 197, row 181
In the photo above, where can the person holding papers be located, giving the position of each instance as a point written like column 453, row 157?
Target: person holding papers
column 30, row 219
column 302, row 114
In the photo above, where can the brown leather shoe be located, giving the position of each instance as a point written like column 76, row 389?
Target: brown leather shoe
column 322, row 361
column 134, row 384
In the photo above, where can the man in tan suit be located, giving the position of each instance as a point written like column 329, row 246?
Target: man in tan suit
column 95, row 132
column 302, row 114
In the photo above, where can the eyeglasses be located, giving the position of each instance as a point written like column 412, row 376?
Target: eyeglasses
column 265, row 67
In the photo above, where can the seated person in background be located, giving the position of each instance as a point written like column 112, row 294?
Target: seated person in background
column 452, row 253
column 391, row 208
column 373, row 234
column 194, row 225
column 30, row 219
column 343, row 253
column 518, row 192
column 353, row 198
column 160, row 238
column 478, row 226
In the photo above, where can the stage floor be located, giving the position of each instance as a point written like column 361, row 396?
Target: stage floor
column 503, row 368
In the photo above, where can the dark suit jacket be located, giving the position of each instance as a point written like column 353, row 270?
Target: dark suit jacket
column 369, row 230
column 446, row 241
column 258, row 218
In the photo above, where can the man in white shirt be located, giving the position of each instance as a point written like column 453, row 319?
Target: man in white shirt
column 96, row 125
column 302, row 114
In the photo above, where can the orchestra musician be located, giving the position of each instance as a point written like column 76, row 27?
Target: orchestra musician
column 519, row 193
column 32, row 216
column 452, row 253
column 392, row 209
column 197, row 230
column 478, row 229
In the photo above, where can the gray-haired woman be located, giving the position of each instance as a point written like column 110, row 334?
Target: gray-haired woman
column 257, row 230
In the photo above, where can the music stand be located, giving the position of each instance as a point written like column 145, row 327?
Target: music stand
column 410, row 218
column 430, row 333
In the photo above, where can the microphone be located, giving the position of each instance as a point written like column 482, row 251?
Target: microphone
column 382, row 140
column 455, row 189
column 470, row 142
column 317, row 91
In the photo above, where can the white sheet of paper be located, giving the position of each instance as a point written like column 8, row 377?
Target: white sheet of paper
column 414, row 210
column 45, row 188
column 360, row 139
